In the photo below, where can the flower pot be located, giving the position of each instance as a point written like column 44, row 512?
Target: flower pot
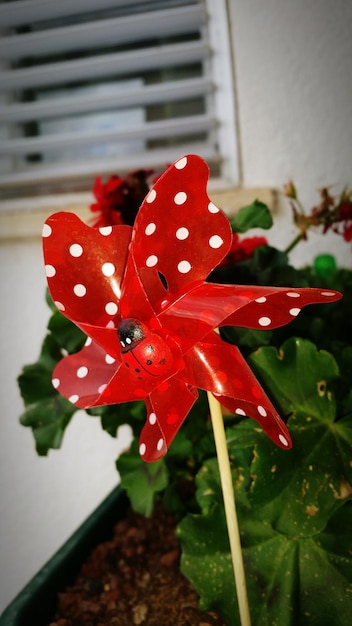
column 35, row 604
column 118, row 567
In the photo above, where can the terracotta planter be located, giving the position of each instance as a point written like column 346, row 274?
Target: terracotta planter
column 35, row 604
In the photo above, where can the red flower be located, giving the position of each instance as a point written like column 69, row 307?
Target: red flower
column 332, row 214
column 348, row 233
column 243, row 249
column 119, row 199
column 141, row 297
column 344, row 214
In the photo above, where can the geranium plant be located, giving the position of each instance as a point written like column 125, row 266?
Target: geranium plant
column 293, row 504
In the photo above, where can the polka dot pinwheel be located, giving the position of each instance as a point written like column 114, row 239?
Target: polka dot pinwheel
column 139, row 293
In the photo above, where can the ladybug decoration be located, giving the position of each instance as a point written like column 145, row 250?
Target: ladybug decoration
column 145, row 353
column 140, row 295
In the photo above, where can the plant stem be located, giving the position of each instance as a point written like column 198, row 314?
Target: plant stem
column 293, row 243
column 230, row 508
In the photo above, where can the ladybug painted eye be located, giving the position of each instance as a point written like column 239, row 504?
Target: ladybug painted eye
column 130, row 332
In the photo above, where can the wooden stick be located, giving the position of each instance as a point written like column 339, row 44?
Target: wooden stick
column 230, row 508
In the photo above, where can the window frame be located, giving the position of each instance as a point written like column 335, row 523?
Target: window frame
column 39, row 206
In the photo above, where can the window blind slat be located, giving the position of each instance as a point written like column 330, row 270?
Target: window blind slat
column 152, row 130
column 89, row 168
column 171, row 91
column 98, row 87
column 103, row 32
column 26, row 11
column 114, row 64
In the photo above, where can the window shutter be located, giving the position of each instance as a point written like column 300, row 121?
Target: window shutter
column 93, row 88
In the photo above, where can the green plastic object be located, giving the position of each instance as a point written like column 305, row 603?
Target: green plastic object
column 325, row 265
column 35, row 604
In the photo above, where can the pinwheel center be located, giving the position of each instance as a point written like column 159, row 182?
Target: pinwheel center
column 145, row 353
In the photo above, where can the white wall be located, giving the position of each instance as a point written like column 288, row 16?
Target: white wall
column 293, row 73
column 42, row 500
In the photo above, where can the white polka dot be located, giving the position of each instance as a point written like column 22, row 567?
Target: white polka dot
column 212, row 208
column 261, row 300
column 152, row 419
column 105, row 230
column 109, row 359
column 59, row 305
column 184, row 267
column 180, row 198
column 50, row 271
column 181, row 163
column 328, row 294
column 261, row 410
column 283, row 440
column 108, row 269
column 142, row 449
column 264, row 321
column 56, row 382
column 111, row 308
column 294, row 311
column 151, row 196
column 82, row 371
column 150, row 229
column 151, row 260
column 80, row 290
column 76, row 250
column 215, row 241
column 47, row 230
column 102, row 388
column 293, row 294
column 182, row 233
column 73, row 398
column 240, row 412
column 88, row 341
column 160, row 444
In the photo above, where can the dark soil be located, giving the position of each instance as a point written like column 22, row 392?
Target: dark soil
column 134, row 579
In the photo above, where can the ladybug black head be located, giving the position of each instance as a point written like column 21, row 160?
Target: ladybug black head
column 130, row 333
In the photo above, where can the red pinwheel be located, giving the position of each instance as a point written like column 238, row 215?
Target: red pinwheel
column 141, row 297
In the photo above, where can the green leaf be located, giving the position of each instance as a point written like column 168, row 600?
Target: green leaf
column 142, row 481
column 115, row 415
column 246, row 337
column 35, row 383
column 181, row 447
column 67, row 335
column 299, row 489
column 255, row 215
column 48, row 418
column 270, row 266
column 47, row 412
column 298, row 377
column 287, row 576
column 241, row 453
column 206, row 562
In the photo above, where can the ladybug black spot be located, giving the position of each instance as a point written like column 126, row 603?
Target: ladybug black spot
column 149, row 362
column 162, row 362
column 127, row 364
column 137, row 370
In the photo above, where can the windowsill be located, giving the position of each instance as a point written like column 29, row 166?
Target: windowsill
column 20, row 219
